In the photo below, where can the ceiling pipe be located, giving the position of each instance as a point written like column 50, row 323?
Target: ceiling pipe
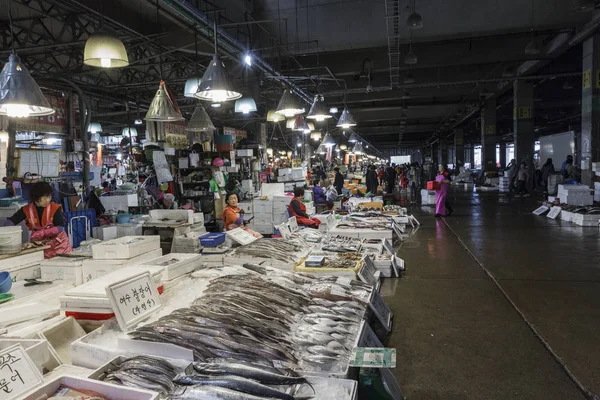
column 229, row 44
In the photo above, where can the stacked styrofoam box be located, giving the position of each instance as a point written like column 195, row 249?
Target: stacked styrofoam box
column 24, row 266
column 504, row 184
column 105, row 232
column 597, row 192
column 284, row 175
column 298, row 174
column 427, row 197
column 263, row 217
column 63, row 269
column 575, row 195
column 585, row 219
column 93, row 269
column 280, row 209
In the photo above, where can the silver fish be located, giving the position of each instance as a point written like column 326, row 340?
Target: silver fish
column 236, row 383
column 246, row 371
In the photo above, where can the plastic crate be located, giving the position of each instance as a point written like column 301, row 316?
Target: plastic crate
column 79, row 230
column 212, row 239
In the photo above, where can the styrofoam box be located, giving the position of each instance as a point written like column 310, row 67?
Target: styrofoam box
column 129, row 230
column 93, row 269
column 37, row 349
column 282, row 199
column 24, row 259
column 107, row 390
column 63, row 268
column 121, row 202
column 175, row 265
column 61, row 335
column 125, row 247
column 566, row 216
column 105, row 232
column 22, row 272
column 585, row 219
column 158, row 215
column 247, row 207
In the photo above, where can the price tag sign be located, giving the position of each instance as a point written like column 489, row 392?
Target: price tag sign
column 373, row 357
column 367, row 272
column 18, row 374
column 539, row 211
column 134, row 299
column 293, row 223
column 554, row 211
column 368, row 338
column 381, row 310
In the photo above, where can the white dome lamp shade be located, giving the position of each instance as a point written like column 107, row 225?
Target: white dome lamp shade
column 191, row 86
column 105, row 51
column 289, row 105
column 216, row 84
column 200, row 121
column 272, row 116
column 163, row 107
column 328, row 140
column 346, row 119
column 315, row 135
column 20, row 95
column 318, row 110
column 129, row 131
column 94, row 127
column 353, row 138
column 245, row 105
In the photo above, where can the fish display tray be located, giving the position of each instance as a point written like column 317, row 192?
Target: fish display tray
column 60, row 336
column 125, row 247
column 185, row 263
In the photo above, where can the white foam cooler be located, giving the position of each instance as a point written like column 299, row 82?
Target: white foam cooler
column 174, row 264
column 125, row 247
column 93, row 269
column 63, row 268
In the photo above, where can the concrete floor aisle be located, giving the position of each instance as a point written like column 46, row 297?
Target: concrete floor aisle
column 457, row 335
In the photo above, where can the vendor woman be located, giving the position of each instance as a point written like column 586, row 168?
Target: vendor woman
column 233, row 216
column 298, row 210
column 41, row 213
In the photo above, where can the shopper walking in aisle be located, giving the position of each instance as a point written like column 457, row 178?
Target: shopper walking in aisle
column 298, row 210
column 371, row 180
column 415, row 182
column 338, row 182
column 511, row 171
column 442, row 206
column 380, row 176
column 571, row 174
column 522, row 178
column 233, row 216
column 547, row 170
column 390, row 178
column 563, row 167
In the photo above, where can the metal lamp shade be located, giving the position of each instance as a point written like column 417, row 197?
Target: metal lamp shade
column 409, row 78
column 346, row 119
column 163, row 106
column 191, row 86
column 328, row 140
column 410, row 58
column 289, row 123
column 300, row 124
column 106, row 51
column 353, row 138
column 94, row 127
column 126, row 132
column 200, row 121
column 414, row 21
column 315, row 136
column 358, row 148
column 343, row 147
column 318, row 111
column 321, row 149
column 217, row 85
column 272, row 116
column 532, row 48
column 20, row 96
column 289, row 106
column 245, row 105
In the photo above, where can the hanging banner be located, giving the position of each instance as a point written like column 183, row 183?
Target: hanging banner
column 55, row 123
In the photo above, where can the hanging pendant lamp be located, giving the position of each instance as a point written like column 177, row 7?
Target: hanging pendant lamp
column 328, row 140
column 346, row 119
column 200, row 121
column 532, row 47
column 358, row 148
column 191, row 86
column 105, row 50
column 410, row 58
column 126, row 132
column 353, row 138
column 409, row 77
column 94, row 127
column 300, row 124
column 414, row 21
column 272, row 116
column 216, row 84
column 289, row 123
column 318, row 110
column 289, row 105
column 163, row 106
column 321, row 149
column 315, row 135
column 245, row 105
column 20, row 96
column 343, row 146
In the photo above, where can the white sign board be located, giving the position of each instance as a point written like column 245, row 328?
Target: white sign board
column 554, row 211
column 284, row 230
column 381, row 310
column 240, row 236
column 367, row 272
column 134, row 299
column 293, row 224
column 540, row 210
column 18, row 374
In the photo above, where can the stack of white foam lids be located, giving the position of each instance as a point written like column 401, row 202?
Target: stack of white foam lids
column 89, row 301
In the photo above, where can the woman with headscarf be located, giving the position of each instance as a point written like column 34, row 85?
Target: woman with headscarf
column 442, row 206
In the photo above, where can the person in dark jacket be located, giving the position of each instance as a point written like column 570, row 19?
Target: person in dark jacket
column 371, row 180
column 547, row 170
column 390, row 178
column 319, row 194
column 338, row 182
column 320, row 174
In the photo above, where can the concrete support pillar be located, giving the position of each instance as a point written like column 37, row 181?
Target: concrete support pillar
column 523, row 126
column 442, row 154
column 590, row 108
column 459, row 148
column 503, row 154
column 488, row 136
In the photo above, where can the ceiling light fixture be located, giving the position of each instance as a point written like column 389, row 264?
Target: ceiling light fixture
column 248, row 60
column 20, row 95
column 289, row 106
column 318, row 110
column 532, row 47
column 200, row 121
column 414, row 20
column 328, row 140
column 353, row 138
column 129, row 131
column 163, row 106
column 105, row 50
column 272, row 116
column 138, row 122
column 94, row 127
column 333, row 110
column 216, row 105
column 300, row 124
column 245, row 105
column 409, row 78
column 315, row 135
column 191, row 86
column 217, row 85
column 346, row 119
column 343, row 146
